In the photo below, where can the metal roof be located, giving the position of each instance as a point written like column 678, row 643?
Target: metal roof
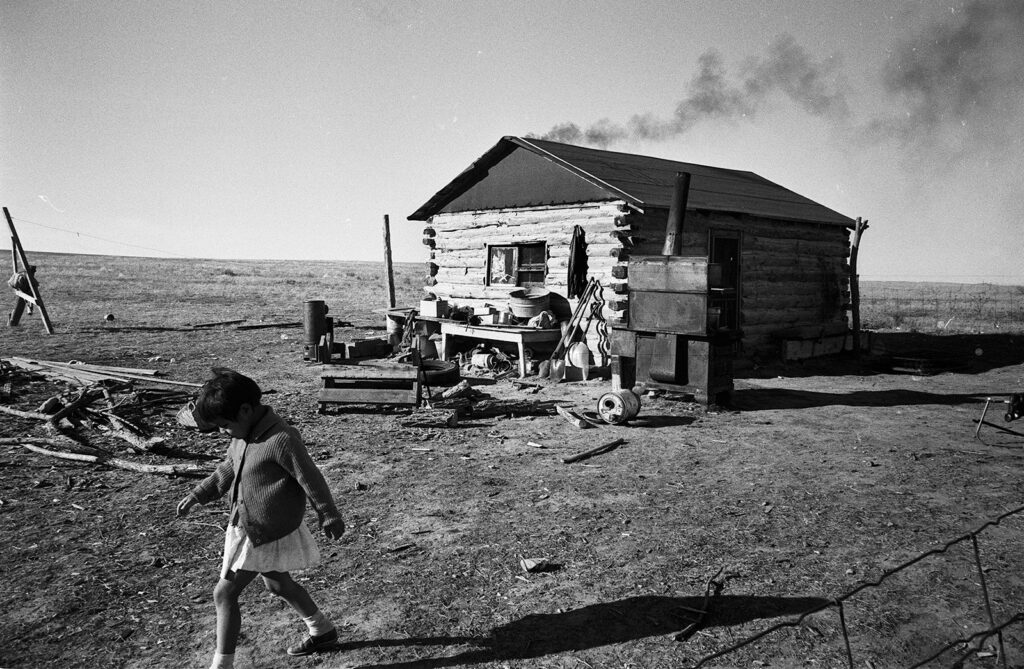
column 642, row 181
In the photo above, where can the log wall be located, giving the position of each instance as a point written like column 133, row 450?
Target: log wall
column 791, row 273
column 459, row 242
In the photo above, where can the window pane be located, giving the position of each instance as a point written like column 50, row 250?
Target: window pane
column 531, row 279
column 503, row 262
column 531, row 254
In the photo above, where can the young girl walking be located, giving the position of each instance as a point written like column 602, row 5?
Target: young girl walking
column 269, row 475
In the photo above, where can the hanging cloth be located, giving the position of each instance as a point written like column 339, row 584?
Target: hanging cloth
column 577, row 279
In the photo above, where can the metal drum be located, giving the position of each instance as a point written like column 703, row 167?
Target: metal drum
column 315, row 324
column 618, row 407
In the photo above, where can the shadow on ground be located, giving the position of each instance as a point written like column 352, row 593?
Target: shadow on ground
column 607, row 623
column 762, row 399
column 910, row 352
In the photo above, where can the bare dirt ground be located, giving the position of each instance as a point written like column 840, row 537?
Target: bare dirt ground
column 817, row 479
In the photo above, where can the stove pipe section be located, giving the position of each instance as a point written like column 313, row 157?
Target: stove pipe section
column 676, row 214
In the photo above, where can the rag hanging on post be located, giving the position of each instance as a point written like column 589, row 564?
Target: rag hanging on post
column 577, row 279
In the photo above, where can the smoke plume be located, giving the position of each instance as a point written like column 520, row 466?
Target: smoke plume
column 816, row 87
column 959, row 86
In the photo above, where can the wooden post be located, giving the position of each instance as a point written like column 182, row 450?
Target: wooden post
column 858, row 230
column 388, row 267
column 32, row 296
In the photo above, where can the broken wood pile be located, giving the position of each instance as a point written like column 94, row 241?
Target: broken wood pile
column 447, row 408
column 101, row 403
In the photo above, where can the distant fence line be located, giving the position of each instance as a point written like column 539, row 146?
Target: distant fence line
column 995, row 629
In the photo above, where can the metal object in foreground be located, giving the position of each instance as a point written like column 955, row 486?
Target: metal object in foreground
column 618, row 407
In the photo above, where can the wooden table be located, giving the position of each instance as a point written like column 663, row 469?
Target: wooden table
column 520, row 336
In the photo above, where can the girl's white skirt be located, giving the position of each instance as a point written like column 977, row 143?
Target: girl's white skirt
column 295, row 551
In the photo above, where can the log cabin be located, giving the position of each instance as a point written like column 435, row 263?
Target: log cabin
column 509, row 219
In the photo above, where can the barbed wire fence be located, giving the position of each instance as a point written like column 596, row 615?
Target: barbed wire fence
column 995, row 629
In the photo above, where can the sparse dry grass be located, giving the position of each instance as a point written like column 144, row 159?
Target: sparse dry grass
column 941, row 307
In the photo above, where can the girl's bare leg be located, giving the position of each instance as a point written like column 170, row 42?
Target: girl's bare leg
column 229, row 616
column 280, row 583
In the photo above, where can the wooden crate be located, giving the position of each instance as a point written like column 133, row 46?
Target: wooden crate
column 370, row 384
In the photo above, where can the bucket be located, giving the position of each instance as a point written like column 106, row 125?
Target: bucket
column 482, row 360
column 618, row 407
column 395, row 325
column 527, row 303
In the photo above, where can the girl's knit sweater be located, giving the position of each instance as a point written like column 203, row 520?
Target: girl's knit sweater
column 269, row 476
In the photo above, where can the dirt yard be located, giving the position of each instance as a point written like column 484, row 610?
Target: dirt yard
column 816, row 480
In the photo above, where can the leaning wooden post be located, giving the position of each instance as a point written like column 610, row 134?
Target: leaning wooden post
column 32, row 295
column 858, row 230
column 388, row 267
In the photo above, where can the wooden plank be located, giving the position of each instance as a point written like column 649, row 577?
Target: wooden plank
column 25, row 296
column 366, row 396
column 367, row 372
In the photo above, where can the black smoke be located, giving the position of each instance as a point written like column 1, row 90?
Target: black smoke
column 959, row 85
column 815, row 86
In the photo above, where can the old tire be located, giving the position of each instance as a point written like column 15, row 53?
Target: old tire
column 441, row 373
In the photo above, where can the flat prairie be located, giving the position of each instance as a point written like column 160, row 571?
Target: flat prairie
column 844, row 508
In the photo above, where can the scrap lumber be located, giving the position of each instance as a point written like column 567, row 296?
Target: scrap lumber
column 124, row 430
column 572, row 417
column 83, row 372
column 120, row 463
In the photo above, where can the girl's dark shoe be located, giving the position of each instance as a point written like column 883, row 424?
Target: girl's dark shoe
column 315, row 644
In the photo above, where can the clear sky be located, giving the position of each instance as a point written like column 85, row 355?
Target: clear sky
column 257, row 129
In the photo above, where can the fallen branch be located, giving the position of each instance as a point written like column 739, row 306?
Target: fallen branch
column 35, row 415
column 604, row 448
column 124, row 430
column 85, row 397
column 170, row 470
column 18, row 441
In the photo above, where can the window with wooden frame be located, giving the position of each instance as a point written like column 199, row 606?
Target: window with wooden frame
column 523, row 265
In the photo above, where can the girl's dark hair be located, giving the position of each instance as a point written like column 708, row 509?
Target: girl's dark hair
column 222, row 396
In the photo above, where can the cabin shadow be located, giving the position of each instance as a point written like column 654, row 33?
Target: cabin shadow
column 762, row 399
column 602, row 624
column 906, row 352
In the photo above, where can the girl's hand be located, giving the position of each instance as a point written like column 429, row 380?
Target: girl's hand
column 184, row 505
column 334, row 528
